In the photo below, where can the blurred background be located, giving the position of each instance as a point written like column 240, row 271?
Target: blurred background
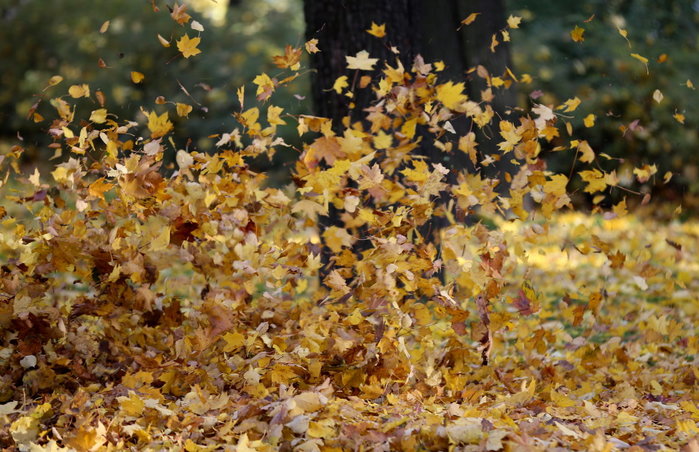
column 40, row 39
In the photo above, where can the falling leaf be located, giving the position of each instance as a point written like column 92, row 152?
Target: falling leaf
column 183, row 110
column 589, row 120
column 588, row 155
column 104, row 27
column 137, row 77
column 99, row 116
column 361, row 61
column 188, row 46
column 159, row 125
column 164, row 42
column 312, row 46
column 377, row 30
column 642, row 59
column 577, row 34
column 291, row 58
column 196, row 26
column 624, row 34
column 179, row 14
column 340, row 84
column 658, row 96
column 514, row 21
column 56, row 79
column 570, row 105
column 451, row 95
column 78, row 91
column 470, row 18
column 644, row 173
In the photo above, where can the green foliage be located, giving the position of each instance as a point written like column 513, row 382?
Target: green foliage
column 40, row 39
column 602, row 73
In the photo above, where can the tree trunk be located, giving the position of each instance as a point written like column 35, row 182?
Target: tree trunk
column 413, row 27
column 340, row 27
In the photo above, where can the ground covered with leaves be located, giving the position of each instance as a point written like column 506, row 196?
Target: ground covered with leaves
column 155, row 296
column 608, row 360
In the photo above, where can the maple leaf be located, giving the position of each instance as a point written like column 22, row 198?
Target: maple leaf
column 188, row 46
column 577, row 34
column 589, row 120
column 291, row 58
column 377, row 30
column 588, row 155
column 644, row 173
column 514, row 21
column 265, row 86
column 312, row 46
column 340, row 84
column 183, row 110
column 137, row 77
column 158, row 125
column 179, row 14
column 99, row 116
column 570, row 105
column 451, row 95
column 361, row 61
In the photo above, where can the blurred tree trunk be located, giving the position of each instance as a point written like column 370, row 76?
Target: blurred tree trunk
column 463, row 47
column 340, row 26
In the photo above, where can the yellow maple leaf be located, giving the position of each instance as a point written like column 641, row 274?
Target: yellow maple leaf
column 577, row 34
column 589, row 120
column 419, row 172
column 183, row 110
column 377, row 30
column 588, row 155
column 158, row 125
column 312, row 46
column 137, row 77
column 265, row 86
column 99, row 187
column 361, row 61
column 99, row 116
column 557, row 185
column 340, row 84
column 451, row 95
column 335, row 238
column 161, row 240
column 509, row 133
column 595, row 180
column 188, row 46
column 273, row 115
column 644, row 173
column 570, row 105
column 35, row 178
column 514, row 21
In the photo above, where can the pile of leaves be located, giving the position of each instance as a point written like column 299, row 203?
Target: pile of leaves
column 179, row 305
